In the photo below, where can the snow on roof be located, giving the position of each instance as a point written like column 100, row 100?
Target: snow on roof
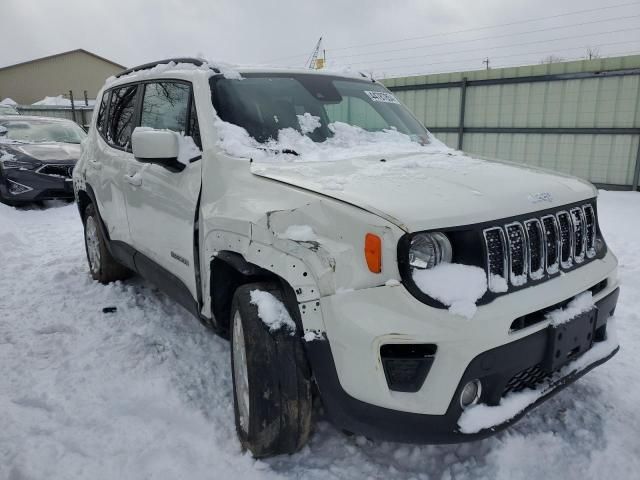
column 333, row 71
column 60, row 101
column 8, row 101
column 227, row 70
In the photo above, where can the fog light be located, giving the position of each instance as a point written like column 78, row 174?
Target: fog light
column 470, row 393
column 16, row 188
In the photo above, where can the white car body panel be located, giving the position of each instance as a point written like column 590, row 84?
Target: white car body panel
column 245, row 208
column 106, row 175
column 433, row 194
column 155, row 196
column 358, row 323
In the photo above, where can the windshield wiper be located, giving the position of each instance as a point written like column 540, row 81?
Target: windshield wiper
column 286, row 151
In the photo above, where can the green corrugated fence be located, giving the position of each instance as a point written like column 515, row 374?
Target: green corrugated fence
column 580, row 117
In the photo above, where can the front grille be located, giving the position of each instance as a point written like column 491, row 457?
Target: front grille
column 552, row 243
column 527, row 250
column 535, row 242
column 566, row 240
column 590, row 231
column 65, row 171
column 517, row 254
column 527, row 378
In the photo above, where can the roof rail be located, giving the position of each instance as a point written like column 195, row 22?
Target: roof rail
column 195, row 61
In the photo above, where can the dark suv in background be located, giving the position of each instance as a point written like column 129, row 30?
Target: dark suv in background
column 37, row 157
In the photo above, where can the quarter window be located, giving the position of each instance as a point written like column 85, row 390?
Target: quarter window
column 165, row 106
column 121, row 116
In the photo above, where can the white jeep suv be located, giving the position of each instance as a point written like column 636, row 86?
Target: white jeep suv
column 347, row 253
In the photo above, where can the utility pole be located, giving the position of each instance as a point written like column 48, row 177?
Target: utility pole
column 486, row 62
column 73, row 107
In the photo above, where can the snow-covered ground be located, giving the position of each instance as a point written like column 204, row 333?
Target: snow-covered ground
column 145, row 392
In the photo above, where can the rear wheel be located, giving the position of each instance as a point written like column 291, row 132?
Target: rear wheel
column 271, row 380
column 103, row 267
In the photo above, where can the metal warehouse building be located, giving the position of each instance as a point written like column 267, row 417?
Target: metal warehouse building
column 77, row 70
column 580, row 117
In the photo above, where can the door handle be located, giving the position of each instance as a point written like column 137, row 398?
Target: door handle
column 135, row 179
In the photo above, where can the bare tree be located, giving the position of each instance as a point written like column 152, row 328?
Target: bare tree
column 593, row 52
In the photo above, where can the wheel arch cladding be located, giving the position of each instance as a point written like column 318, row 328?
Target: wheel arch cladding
column 83, row 200
column 230, row 270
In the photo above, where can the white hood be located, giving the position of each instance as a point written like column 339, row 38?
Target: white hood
column 438, row 190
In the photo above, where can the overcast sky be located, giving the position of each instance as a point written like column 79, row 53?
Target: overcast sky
column 369, row 35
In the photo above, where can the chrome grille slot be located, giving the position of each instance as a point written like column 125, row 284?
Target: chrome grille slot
column 535, row 243
column 566, row 239
column 518, row 257
column 579, row 234
column 552, row 243
column 590, row 231
column 536, row 248
column 496, row 252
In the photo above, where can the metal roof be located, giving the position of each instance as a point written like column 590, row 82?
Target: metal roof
column 63, row 54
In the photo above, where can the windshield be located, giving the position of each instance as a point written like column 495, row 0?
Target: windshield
column 265, row 104
column 36, row 131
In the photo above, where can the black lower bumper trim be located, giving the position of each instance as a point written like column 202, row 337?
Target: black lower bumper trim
column 42, row 187
column 496, row 367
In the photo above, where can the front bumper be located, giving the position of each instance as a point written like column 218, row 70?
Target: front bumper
column 350, row 376
column 34, row 186
column 495, row 368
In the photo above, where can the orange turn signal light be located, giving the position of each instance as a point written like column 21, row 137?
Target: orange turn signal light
column 373, row 252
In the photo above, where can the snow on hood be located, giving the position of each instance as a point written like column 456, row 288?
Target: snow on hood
column 431, row 189
column 292, row 147
column 412, row 185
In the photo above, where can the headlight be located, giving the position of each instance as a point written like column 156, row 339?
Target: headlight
column 429, row 249
column 9, row 161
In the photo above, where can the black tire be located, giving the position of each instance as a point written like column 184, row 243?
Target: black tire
column 279, row 386
column 104, row 268
column 6, row 201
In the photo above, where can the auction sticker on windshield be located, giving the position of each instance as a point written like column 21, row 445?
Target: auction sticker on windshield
column 383, row 97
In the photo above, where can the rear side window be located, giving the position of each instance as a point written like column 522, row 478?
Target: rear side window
column 121, row 116
column 165, row 106
column 102, row 113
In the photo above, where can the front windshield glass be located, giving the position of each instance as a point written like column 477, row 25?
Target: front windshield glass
column 265, row 104
column 36, row 131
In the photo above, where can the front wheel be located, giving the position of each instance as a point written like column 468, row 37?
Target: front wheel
column 271, row 380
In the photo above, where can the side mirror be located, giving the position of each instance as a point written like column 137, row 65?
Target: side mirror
column 157, row 146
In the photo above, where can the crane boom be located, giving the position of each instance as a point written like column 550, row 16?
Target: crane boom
column 314, row 63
